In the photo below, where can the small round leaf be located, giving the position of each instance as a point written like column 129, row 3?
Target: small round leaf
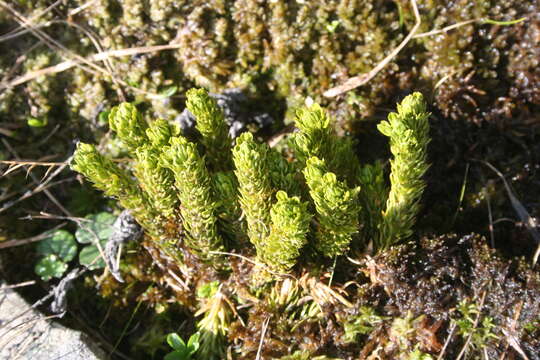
column 98, row 227
column 193, row 343
column 50, row 266
column 61, row 243
column 103, row 117
column 91, row 258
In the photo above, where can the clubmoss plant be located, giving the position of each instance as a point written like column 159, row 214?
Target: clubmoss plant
column 113, row 181
column 315, row 138
column 337, row 208
column 253, row 183
column 285, row 213
column 198, row 205
column 408, row 130
column 372, row 198
column 212, row 127
column 129, row 125
column 155, row 180
column 254, row 186
column 228, row 208
column 283, row 174
column 160, row 132
column 288, row 233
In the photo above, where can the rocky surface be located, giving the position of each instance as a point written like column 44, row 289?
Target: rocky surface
column 25, row 333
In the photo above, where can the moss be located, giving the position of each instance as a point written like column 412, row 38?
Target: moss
column 305, row 48
column 431, row 278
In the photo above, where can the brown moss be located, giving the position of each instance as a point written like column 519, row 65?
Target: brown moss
column 430, row 279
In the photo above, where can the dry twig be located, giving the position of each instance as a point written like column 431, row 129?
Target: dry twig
column 20, row 242
column 41, row 185
column 16, row 164
column 475, row 324
column 447, row 341
column 93, row 58
column 261, row 342
column 360, row 80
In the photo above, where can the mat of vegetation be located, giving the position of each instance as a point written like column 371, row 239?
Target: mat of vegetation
column 320, row 232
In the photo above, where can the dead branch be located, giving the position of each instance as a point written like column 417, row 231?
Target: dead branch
column 20, row 242
column 360, row 80
column 41, row 185
column 93, row 58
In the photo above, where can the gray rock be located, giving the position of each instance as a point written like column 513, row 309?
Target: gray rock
column 25, row 333
column 233, row 103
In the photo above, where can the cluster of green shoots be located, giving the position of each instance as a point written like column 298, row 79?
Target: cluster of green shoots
column 226, row 195
column 313, row 200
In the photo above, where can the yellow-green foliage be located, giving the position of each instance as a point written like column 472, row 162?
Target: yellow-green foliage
column 250, row 160
column 290, row 224
column 160, row 131
column 252, row 192
column 113, row 181
column 337, row 208
column 211, row 124
column 283, row 174
column 408, row 130
column 155, row 180
column 316, row 138
column 372, row 197
column 193, row 185
column 228, row 209
column 129, row 125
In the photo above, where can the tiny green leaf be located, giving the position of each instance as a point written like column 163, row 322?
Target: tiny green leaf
column 133, row 83
column 98, row 225
column 61, row 243
column 193, row 343
column 168, row 91
column 332, row 26
column 208, row 290
column 176, row 342
column 91, row 258
column 50, row 266
column 103, row 117
column 503, row 23
column 35, row 122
